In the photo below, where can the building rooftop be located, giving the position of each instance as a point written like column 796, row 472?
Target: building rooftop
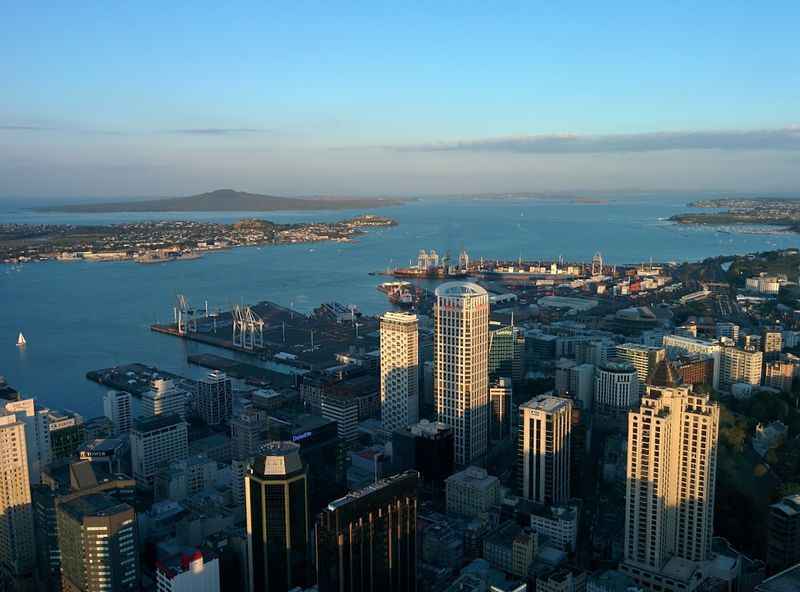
column 156, row 422
column 789, row 505
column 96, row 505
column 548, row 403
column 460, row 289
column 786, row 581
column 372, row 488
column 475, row 477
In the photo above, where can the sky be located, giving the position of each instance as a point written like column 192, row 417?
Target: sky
column 105, row 99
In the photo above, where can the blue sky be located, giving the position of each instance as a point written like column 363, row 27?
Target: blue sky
column 105, row 99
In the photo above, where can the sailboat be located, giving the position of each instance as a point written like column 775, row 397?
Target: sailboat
column 21, row 340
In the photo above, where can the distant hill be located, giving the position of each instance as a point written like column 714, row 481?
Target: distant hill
column 227, row 200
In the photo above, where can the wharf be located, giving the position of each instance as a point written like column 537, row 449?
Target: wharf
column 274, row 375
column 134, row 378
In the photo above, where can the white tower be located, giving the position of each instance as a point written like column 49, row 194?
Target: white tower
column 117, row 408
column 461, row 350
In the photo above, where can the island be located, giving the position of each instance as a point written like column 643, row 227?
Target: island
column 229, row 200
column 163, row 241
column 784, row 212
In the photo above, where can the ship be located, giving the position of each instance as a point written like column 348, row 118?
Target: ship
column 21, row 340
column 403, row 294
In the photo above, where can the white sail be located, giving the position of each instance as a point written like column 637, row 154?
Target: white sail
column 21, row 340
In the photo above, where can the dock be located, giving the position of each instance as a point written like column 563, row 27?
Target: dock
column 134, row 378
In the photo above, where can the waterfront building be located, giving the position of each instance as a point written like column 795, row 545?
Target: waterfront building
column 783, row 534
column 671, row 474
column 67, row 433
column 642, row 357
column 461, row 350
column 500, row 397
column 117, row 408
column 740, row 366
column 17, row 551
column 399, row 370
column 506, row 351
column 677, row 345
column 214, row 398
column 383, row 517
column 155, row 442
column 426, row 447
column 276, row 507
column 164, row 398
column 471, row 492
column 37, row 435
column 616, row 387
column 98, row 543
column 544, row 449
column 188, row 573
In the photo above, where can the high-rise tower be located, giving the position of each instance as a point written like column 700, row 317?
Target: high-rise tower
column 461, row 373
column 399, row 370
column 276, row 502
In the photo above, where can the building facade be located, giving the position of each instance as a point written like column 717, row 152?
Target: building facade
column 214, row 398
column 740, row 366
column 399, row 370
column 544, row 449
column 461, row 355
column 500, row 398
column 155, row 442
column 471, row 492
column 117, row 408
column 366, row 541
column 616, row 388
column 642, row 357
column 17, row 551
column 164, row 398
column 276, row 506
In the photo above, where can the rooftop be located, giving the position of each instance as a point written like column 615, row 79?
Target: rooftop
column 786, row 581
column 548, row 403
column 156, row 422
column 460, row 289
column 93, row 505
column 473, row 477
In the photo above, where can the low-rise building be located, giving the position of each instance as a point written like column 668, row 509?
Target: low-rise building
column 471, row 492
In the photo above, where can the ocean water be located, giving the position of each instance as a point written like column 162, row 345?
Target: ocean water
column 81, row 316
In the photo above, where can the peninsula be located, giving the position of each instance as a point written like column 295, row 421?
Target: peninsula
column 783, row 212
column 228, row 200
column 162, row 241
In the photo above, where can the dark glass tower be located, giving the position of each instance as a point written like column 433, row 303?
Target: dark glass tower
column 366, row 541
column 276, row 495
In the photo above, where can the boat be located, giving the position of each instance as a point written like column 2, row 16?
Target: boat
column 21, row 340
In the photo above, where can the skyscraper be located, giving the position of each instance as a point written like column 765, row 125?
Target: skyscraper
column 16, row 512
column 164, row 398
column 276, row 502
column 98, row 543
column 214, row 399
column 506, row 351
column 461, row 351
column 672, row 449
column 37, row 435
column 399, row 370
column 544, row 449
column 117, row 408
column 366, row 541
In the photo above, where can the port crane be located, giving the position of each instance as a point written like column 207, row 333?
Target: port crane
column 248, row 328
column 183, row 314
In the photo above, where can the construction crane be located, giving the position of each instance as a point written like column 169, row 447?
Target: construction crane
column 184, row 316
column 248, row 328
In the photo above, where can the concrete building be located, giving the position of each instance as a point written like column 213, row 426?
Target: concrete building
column 17, row 550
column 581, row 385
column 67, row 433
column 471, row 492
column 36, row 420
column 728, row 330
column 671, row 474
column 677, row 345
column 164, row 398
column 248, row 430
column 344, row 411
column 426, row 447
column 783, row 535
column 185, row 478
column 616, row 387
column 781, row 373
column 276, row 494
column 155, row 442
column 214, row 398
column 561, row 579
column 739, row 366
column 99, row 545
column 611, row 581
column 559, row 524
column 399, row 370
column 544, row 449
column 461, row 356
column 117, row 408
column 381, row 516
column 642, row 357
column 188, row 573
column 771, row 344
column 511, row 549
column 500, row 397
